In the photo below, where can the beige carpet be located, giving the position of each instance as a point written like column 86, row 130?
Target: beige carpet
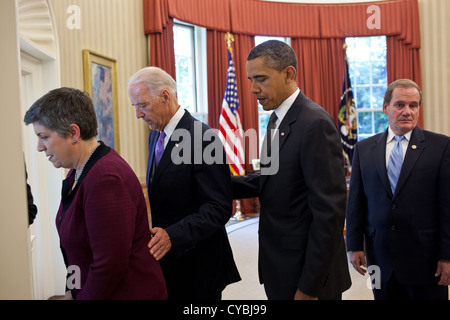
column 244, row 242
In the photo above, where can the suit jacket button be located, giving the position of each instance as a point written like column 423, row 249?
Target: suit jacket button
column 393, row 207
column 392, row 227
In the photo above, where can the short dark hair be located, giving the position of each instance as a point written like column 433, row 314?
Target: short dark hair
column 60, row 108
column 401, row 83
column 277, row 54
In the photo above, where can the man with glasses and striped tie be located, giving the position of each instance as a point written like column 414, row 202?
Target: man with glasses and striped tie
column 398, row 213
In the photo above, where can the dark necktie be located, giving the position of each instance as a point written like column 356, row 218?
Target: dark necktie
column 159, row 149
column 395, row 162
column 269, row 132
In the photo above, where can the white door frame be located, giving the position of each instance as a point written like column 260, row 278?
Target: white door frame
column 39, row 74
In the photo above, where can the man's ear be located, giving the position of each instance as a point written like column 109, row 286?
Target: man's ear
column 385, row 108
column 165, row 94
column 291, row 74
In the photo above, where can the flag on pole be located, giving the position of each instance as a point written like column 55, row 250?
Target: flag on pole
column 347, row 120
column 230, row 127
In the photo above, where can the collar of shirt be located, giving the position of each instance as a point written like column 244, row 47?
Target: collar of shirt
column 170, row 127
column 390, row 143
column 391, row 136
column 285, row 106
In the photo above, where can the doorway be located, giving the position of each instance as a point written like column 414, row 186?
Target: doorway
column 39, row 63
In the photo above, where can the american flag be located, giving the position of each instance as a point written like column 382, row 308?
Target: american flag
column 230, row 127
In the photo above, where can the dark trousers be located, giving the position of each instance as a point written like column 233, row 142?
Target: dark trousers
column 393, row 290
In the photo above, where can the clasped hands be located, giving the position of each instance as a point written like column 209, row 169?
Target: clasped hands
column 160, row 243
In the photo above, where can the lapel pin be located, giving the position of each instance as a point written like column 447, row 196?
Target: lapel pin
column 414, row 147
column 282, row 134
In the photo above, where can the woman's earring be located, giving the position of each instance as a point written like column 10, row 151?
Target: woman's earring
column 74, row 141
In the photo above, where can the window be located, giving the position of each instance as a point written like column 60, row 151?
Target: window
column 263, row 115
column 368, row 76
column 190, row 63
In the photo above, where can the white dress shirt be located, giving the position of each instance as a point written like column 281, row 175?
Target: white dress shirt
column 390, row 143
column 284, row 107
column 170, row 127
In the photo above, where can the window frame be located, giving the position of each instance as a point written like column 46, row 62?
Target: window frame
column 200, row 69
column 356, row 86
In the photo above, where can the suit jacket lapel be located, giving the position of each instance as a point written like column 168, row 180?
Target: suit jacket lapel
column 166, row 160
column 415, row 148
column 379, row 154
column 284, row 129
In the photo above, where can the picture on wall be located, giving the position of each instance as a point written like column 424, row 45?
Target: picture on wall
column 100, row 81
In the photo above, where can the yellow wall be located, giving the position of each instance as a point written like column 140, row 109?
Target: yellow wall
column 435, row 49
column 113, row 28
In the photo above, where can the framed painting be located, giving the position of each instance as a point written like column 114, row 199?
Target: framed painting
column 100, row 81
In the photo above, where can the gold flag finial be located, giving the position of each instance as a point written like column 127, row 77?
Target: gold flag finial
column 229, row 38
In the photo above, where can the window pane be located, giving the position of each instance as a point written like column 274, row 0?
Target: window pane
column 367, row 68
column 362, row 73
column 379, row 72
column 360, row 48
column 363, row 97
column 365, row 120
column 378, row 96
column 201, row 117
column 263, row 121
column 378, row 48
column 381, row 122
column 185, row 66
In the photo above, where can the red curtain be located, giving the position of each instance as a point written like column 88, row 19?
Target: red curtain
column 248, row 104
column 314, row 29
column 217, row 65
column 403, row 63
column 159, row 26
column 162, row 49
column 321, row 70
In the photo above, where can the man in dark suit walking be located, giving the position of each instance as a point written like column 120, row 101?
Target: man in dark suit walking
column 398, row 214
column 301, row 187
column 190, row 199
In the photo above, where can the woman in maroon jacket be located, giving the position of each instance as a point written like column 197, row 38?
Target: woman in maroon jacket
column 102, row 220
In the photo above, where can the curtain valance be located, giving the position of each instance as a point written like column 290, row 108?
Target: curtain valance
column 255, row 17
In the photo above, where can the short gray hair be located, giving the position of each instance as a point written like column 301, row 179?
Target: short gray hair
column 401, row 83
column 156, row 80
column 60, row 108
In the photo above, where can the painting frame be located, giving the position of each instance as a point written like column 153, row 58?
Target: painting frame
column 100, row 81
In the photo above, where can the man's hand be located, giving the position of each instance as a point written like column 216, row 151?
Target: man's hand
column 160, row 243
column 358, row 259
column 443, row 270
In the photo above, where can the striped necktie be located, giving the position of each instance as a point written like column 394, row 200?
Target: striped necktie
column 395, row 162
column 159, row 149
